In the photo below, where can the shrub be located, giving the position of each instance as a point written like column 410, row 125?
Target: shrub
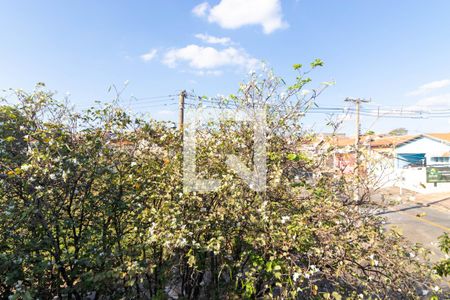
column 93, row 205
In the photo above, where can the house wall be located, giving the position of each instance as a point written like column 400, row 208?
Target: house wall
column 424, row 145
column 381, row 169
column 384, row 169
column 415, row 178
column 345, row 162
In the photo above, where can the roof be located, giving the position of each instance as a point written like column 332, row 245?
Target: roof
column 385, row 142
column 374, row 141
column 343, row 141
column 440, row 136
column 391, row 141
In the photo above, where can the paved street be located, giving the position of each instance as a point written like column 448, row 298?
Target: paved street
column 421, row 224
column 423, row 221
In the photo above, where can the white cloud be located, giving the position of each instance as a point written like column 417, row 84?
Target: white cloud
column 434, row 102
column 429, row 87
column 207, row 72
column 213, row 39
column 201, row 9
column 149, row 55
column 233, row 14
column 209, row 58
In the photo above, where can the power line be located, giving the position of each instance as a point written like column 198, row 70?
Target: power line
column 154, row 97
column 376, row 111
column 371, row 111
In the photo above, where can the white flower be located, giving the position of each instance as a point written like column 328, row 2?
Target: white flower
column 305, row 92
column 425, row 292
column 133, row 164
column 52, row 176
column 436, row 289
column 295, row 276
column 25, row 167
column 64, row 175
column 285, row 219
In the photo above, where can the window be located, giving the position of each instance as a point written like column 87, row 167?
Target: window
column 440, row 159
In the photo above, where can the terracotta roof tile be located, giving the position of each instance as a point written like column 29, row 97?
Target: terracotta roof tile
column 440, row 136
column 340, row 141
column 384, row 142
column 391, row 141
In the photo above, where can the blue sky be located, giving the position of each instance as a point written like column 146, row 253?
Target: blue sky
column 395, row 52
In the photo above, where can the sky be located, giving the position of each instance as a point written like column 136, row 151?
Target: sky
column 393, row 52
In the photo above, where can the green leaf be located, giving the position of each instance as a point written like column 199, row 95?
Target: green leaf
column 292, row 157
column 317, row 63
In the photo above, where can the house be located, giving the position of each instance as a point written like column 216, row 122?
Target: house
column 422, row 163
column 417, row 162
column 423, row 150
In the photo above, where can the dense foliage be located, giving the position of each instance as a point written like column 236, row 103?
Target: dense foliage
column 93, row 206
column 443, row 267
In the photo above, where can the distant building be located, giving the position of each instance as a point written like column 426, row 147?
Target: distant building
column 424, row 150
column 417, row 162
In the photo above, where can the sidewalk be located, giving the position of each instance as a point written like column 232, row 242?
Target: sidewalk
column 441, row 200
column 437, row 200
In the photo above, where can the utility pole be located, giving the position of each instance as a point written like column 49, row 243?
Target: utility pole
column 182, row 97
column 357, row 102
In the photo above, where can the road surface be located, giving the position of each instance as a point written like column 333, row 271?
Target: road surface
column 421, row 224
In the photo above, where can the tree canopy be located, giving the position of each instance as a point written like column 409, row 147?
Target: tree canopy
column 398, row 132
column 93, row 205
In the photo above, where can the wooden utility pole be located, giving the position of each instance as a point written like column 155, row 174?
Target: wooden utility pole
column 357, row 103
column 182, row 97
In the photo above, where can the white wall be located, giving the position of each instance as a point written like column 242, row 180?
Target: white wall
column 415, row 179
column 424, row 145
column 381, row 170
